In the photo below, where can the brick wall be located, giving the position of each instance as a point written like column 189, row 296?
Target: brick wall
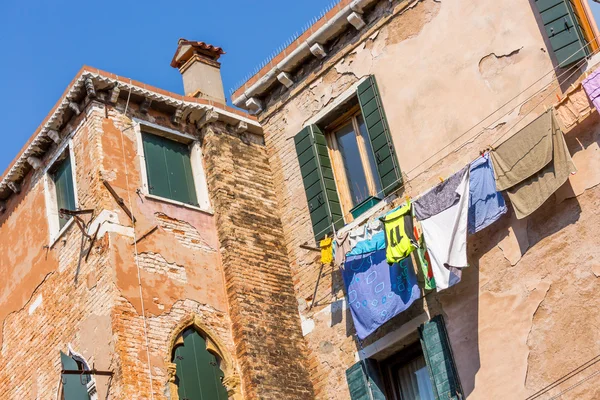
column 262, row 304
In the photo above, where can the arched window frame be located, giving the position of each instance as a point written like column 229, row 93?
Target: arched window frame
column 231, row 379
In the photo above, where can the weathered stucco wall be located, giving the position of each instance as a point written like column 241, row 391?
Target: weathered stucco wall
column 522, row 316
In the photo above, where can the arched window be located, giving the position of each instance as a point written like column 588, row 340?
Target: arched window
column 198, row 374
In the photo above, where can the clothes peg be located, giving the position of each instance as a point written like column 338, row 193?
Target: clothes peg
column 558, row 97
column 441, row 179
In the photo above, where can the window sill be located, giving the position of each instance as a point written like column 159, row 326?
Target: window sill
column 61, row 232
column 178, row 203
column 376, row 209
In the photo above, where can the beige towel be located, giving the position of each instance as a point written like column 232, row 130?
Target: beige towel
column 532, row 164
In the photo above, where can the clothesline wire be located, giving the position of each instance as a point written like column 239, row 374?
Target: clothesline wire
column 532, row 109
column 594, row 39
column 404, row 182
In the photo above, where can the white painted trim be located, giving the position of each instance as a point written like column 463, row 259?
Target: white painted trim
column 196, row 162
column 199, row 176
column 346, row 95
column 393, row 337
column 177, row 203
column 55, row 232
column 377, row 208
column 61, row 232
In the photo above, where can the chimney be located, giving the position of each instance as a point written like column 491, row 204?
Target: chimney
column 200, row 70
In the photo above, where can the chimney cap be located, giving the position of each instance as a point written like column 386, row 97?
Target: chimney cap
column 188, row 48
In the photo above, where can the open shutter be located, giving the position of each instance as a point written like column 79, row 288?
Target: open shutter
column 319, row 182
column 363, row 381
column 440, row 361
column 379, row 133
column 74, row 386
column 564, row 30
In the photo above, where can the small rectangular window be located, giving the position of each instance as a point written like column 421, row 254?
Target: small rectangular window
column 62, row 176
column 60, row 192
column 406, row 375
column 168, row 168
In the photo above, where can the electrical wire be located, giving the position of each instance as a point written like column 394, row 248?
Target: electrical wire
column 136, row 253
column 575, row 385
column 382, row 191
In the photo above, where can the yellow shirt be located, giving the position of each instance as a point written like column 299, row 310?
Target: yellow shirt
column 326, row 250
column 399, row 235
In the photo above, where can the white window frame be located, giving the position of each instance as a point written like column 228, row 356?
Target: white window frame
column 54, row 229
column 198, row 174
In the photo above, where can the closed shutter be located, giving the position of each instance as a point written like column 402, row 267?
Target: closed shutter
column 364, row 382
column 63, row 184
column 564, row 30
column 440, row 361
column 319, row 182
column 198, row 375
column 169, row 169
column 379, row 133
column 74, row 386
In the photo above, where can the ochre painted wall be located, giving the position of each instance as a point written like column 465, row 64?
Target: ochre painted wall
column 525, row 311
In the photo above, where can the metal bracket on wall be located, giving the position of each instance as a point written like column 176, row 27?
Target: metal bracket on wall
column 119, row 200
column 83, row 227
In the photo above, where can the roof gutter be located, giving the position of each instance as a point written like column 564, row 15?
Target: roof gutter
column 329, row 30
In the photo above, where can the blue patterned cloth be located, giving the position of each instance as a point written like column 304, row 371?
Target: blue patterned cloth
column 377, row 291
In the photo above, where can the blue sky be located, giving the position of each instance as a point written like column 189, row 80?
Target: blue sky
column 45, row 43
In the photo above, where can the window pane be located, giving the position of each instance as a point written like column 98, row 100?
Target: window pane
column 65, row 193
column 348, row 146
column 365, row 135
column 413, row 379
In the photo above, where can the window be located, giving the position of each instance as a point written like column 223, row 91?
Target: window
column 171, row 164
column 406, row 375
column 362, row 167
column 74, row 386
column 424, row 370
column 198, row 374
column 169, row 169
column 60, row 192
column 354, row 163
column 62, row 176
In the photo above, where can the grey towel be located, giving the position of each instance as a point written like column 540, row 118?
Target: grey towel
column 532, row 164
column 440, row 198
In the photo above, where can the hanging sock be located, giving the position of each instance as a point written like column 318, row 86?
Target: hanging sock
column 326, row 250
column 399, row 235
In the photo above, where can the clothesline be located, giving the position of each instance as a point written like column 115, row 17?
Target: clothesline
column 395, row 191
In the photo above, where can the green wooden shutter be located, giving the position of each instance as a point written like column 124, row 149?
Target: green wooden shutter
column 63, row 184
column 564, row 30
column 379, row 133
column 364, row 382
column 169, row 169
column 198, row 376
column 74, row 386
column 319, row 182
column 440, row 361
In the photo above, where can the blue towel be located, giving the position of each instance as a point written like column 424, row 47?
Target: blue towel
column 377, row 291
column 486, row 205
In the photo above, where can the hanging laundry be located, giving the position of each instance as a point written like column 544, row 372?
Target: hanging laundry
column 443, row 213
column 532, row 164
column 365, row 232
column 326, row 250
column 376, row 291
column 486, row 205
column 591, row 85
column 423, row 258
column 342, row 247
column 377, row 242
column 399, row 236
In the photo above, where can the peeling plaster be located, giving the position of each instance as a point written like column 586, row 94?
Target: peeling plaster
column 516, row 243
